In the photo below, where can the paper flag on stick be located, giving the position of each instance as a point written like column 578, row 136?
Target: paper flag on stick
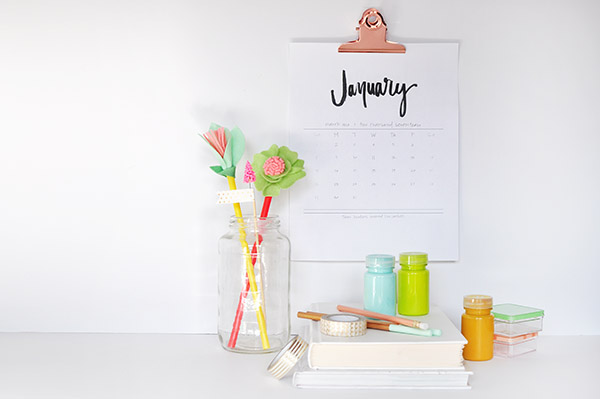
column 234, row 196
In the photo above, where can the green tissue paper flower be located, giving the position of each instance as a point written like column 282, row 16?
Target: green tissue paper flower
column 277, row 168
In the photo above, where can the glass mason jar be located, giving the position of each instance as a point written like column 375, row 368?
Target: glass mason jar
column 254, row 286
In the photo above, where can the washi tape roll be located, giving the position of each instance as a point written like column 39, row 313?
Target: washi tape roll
column 287, row 358
column 343, row 325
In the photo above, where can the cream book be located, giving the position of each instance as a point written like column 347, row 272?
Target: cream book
column 387, row 350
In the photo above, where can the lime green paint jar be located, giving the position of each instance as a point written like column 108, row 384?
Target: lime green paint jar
column 413, row 284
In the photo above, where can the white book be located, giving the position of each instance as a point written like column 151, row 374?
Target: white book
column 305, row 377
column 387, row 350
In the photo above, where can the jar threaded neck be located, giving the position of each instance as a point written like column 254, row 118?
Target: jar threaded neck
column 249, row 222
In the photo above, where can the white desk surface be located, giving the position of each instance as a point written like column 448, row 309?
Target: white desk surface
column 150, row 366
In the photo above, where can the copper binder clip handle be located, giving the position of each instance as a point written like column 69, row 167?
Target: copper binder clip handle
column 371, row 36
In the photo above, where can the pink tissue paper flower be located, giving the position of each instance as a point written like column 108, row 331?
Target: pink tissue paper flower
column 217, row 139
column 249, row 175
column 274, row 166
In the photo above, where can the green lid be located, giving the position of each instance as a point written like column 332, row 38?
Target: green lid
column 413, row 258
column 511, row 312
column 381, row 260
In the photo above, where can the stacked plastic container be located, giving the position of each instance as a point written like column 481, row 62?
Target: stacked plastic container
column 516, row 329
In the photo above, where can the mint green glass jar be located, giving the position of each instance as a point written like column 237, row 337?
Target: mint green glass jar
column 380, row 284
column 413, row 284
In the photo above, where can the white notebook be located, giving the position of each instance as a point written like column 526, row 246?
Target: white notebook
column 305, row 377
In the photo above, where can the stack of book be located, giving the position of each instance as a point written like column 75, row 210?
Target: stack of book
column 384, row 360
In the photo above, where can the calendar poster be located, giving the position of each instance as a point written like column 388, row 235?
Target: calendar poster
column 379, row 136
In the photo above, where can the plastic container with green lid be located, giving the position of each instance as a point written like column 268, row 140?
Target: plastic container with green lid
column 511, row 320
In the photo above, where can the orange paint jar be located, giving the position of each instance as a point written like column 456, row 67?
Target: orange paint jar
column 477, row 326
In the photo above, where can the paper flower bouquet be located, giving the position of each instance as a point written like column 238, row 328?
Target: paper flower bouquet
column 271, row 170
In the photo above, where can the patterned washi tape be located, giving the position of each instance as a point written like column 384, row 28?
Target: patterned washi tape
column 287, row 358
column 343, row 325
column 235, row 196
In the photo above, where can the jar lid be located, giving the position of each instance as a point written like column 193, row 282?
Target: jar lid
column 381, row 261
column 413, row 258
column 477, row 302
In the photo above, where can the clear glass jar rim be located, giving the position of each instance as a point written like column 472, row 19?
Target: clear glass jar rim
column 248, row 221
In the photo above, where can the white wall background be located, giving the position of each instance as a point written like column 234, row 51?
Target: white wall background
column 107, row 214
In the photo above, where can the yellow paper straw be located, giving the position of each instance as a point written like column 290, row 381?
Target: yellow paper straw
column 260, row 316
